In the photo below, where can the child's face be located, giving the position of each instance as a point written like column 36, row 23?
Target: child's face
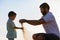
column 12, row 17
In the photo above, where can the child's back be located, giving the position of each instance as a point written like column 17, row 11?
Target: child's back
column 11, row 33
column 10, row 28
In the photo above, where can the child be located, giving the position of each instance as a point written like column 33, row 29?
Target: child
column 11, row 34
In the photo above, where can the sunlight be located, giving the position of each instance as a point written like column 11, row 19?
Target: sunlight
column 27, row 9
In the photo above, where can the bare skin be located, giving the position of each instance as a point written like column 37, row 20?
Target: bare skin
column 33, row 22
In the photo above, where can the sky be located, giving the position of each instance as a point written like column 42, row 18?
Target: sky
column 26, row 9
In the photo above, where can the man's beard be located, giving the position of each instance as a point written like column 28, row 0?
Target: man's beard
column 43, row 14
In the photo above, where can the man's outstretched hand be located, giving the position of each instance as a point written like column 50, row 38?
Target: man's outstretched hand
column 22, row 21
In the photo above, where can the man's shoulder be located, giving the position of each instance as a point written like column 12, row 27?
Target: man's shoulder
column 49, row 14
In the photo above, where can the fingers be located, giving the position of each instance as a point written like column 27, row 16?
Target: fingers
column 22, row 21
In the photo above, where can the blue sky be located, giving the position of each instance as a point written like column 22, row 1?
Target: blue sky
column 27, row 9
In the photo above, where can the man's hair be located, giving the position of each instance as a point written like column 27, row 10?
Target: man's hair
column 44, row 5
column 11, row 13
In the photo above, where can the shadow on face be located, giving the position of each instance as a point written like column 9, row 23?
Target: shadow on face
column 13, row 17
column 44, row 11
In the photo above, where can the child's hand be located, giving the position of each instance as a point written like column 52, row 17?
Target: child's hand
column 21, row 28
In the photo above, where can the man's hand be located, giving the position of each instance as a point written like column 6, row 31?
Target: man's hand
column 22, row 20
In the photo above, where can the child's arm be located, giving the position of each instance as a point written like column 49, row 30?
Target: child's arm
column 18, row 28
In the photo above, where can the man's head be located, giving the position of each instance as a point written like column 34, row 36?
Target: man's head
column 12, row 15
column 44, row 8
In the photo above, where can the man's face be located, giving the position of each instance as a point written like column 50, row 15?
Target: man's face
column 43, row 11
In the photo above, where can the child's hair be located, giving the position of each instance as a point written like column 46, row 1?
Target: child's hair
column 11, row 13
column 44, row 5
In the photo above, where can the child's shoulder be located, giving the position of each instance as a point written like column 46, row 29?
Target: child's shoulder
column 9, row 21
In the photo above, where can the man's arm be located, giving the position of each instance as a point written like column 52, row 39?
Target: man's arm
column 33, row 22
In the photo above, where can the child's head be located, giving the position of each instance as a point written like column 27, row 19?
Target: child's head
column 12, row 15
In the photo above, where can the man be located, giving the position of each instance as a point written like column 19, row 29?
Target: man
column 48, row 22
